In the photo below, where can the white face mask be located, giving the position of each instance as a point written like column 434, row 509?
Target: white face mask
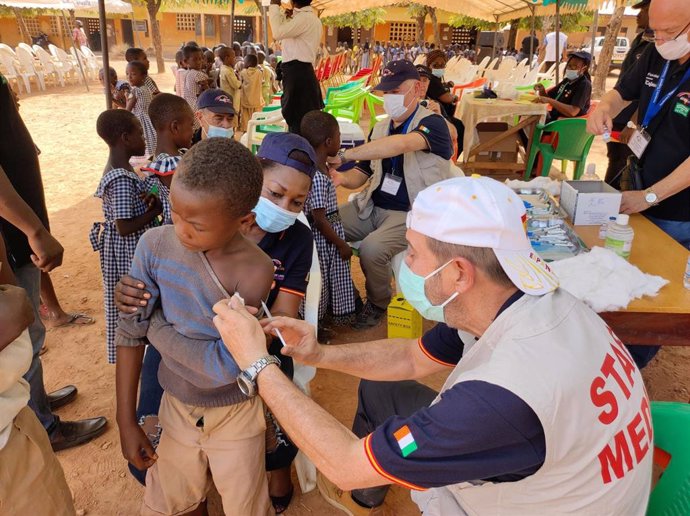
column 674, row 49
column 571, row 75
column 394, row 104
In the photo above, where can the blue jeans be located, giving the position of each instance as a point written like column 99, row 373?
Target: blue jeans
column 679, row 230
column 29, row 278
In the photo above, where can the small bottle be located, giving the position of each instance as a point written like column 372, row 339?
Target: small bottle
column 605, row 227
column 619, row 236
column 590, row 173
column 686, row 277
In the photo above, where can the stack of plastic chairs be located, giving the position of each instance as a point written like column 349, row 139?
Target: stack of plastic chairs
column 10, row 69
column 348, row 104
column 69, row 63
column 50, row 66
column 334, row 90
column 28, row 68
column 261, row 124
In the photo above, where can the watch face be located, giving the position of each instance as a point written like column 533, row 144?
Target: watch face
column 246, row 386
column 650, row 197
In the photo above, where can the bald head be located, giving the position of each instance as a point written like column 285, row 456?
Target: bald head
column 668, row 19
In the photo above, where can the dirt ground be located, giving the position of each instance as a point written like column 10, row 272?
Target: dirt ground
column 62, row 123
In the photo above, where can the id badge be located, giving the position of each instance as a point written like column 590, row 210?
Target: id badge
column 638, row 142
column 391, row 184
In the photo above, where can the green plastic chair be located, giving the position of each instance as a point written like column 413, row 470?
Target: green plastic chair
column 671, row 496
column 373, row 101
column 530, row 87
column 332, row 91
column 573, row 145
column 348, row 104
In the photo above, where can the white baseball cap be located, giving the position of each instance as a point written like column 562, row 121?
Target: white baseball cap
column 482, row 212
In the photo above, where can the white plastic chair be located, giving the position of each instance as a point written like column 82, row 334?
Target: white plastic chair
column 26, row 47
column 30, row 69
column 9, row 70
column 483, row 64
column 8, row 50
column 90, row 68
column 69, row 67
column 262, row 118
column 50, row 66
column 91, row 58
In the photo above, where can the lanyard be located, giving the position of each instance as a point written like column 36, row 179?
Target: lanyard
column 655, row 104
column 560, row 91
column 396, row 160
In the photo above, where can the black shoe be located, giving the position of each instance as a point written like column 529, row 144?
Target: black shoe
column 68, row 434
column 369, row 317
column 62, row 397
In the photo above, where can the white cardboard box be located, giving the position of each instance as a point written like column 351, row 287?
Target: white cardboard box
column 589, row 203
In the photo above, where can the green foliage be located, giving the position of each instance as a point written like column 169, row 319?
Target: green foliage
column 460, row 20
column 365, row 19
column 415, row 10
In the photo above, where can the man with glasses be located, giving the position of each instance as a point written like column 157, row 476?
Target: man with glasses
column 658, row 178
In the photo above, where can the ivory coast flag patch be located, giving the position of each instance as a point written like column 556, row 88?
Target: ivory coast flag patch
column 405, row 440
column 424, row 129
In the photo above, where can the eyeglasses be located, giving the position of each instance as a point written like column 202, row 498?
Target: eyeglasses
column 662, row 35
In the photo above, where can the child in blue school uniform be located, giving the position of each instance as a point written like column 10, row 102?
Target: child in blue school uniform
column 128, row 212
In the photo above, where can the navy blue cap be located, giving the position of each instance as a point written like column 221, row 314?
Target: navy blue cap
column 424, row 71
column 585, row 56
column 217, row 101
column 278, row 147
column 395, row 73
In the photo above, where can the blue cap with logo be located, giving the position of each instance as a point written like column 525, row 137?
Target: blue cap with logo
column 279, row 147
column 581, row 54
column 395, row 73
column 217, row 101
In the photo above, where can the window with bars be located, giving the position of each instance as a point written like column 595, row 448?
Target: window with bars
column 55, row 25
column 93, row 26
column 402, row 31
column 186, row 21
column 33, row 25
column 462, row 36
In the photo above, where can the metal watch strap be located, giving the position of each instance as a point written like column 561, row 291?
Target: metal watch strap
column 341, row 155
column 656, row 197
column 261, row 364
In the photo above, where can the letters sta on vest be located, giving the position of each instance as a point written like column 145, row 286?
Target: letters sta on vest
column 421, row 168
column 561, row 359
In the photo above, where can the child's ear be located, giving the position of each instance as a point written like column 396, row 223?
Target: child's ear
column 247, row 222
column 174, row 127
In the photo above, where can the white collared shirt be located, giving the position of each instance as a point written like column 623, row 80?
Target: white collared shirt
column 300, row 35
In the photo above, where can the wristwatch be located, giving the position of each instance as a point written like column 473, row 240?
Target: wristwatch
column 246, row 380
column 341, row 156
column 651, row 198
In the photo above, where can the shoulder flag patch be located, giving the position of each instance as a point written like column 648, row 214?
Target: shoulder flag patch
column 405, row 440
column 424, row 129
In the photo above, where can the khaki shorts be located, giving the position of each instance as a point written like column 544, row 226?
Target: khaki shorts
column 31, row 478
column 226, row 449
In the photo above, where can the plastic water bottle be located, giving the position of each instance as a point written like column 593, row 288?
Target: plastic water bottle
column 619, row 236
column 590, row 173
column 605, row 227
column 686, row 277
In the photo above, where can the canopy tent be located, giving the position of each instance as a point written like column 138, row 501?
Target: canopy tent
column 111, row 6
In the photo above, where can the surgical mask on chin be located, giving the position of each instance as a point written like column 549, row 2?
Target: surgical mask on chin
column 674, row 49
column 438, row 72
column 219, row 132
column 571, row 75
column 272, row 218
column 412, row 286
column 394, row 104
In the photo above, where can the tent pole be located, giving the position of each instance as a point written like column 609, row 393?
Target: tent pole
column 595, row 23
column 531, row 39
column 136, row 32
column 81, row 67
column 264, row 21
column 105, row 56
column 495, row 37
column 232, row 22
column 558, row 41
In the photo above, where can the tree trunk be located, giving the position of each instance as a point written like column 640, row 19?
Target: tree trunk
column 434, row 24
column 152, row 7
column 421, row 22
column 604, row 61
column 23, row 29
column 512, row 35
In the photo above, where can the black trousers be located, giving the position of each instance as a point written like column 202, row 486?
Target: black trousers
column 618, row 154
column 301, row 93
column 377, row 401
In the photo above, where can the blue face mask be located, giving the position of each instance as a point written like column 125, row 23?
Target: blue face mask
column 412, row 286
column 272, row 218
column 219, row 132
column 438, row 72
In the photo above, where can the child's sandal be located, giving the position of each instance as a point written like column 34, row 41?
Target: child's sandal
column 281, row 503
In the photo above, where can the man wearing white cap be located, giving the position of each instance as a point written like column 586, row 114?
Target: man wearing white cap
column 544, row 412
